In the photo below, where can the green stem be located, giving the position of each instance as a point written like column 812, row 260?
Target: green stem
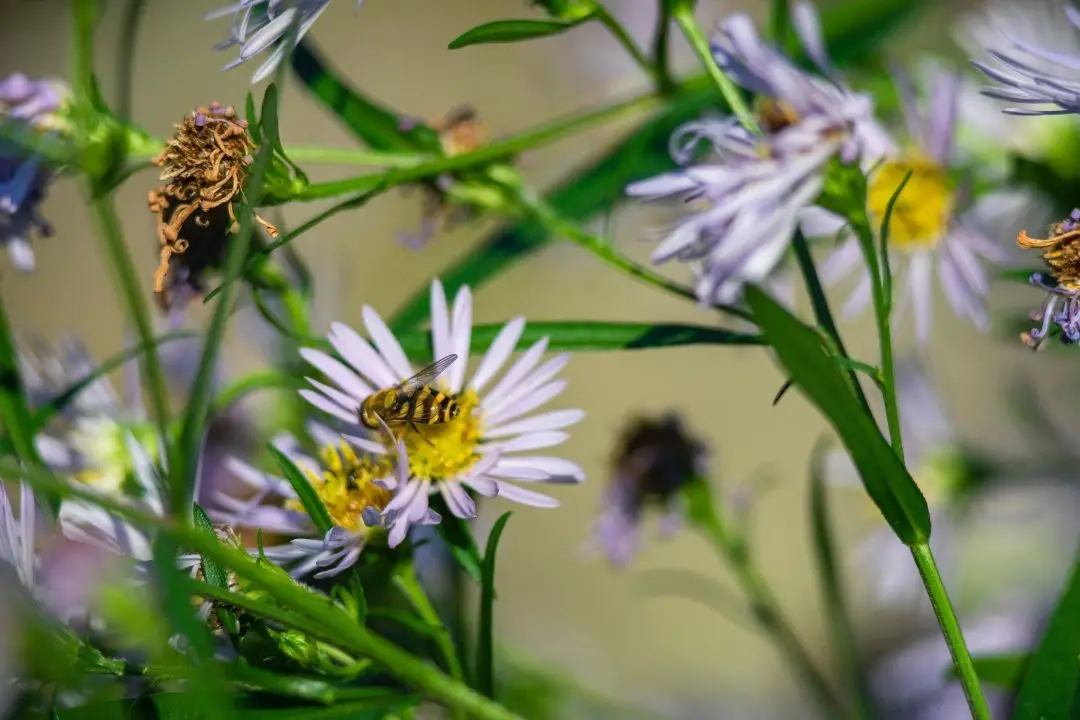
column 733, row 550
column 684, row 17
column 132, row 297
column 125, row 57
column 266, row 380
column 950, row 628
column 409, row 585
column 601, row 13
column 660, row 50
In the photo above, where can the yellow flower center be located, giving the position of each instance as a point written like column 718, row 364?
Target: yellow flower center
column 449, row 449
column 102, row 442
column 921, row 214
column 347, row 486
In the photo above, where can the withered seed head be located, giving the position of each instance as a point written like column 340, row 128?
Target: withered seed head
column 659, row 455
column 1060, row 252
column 205, row 166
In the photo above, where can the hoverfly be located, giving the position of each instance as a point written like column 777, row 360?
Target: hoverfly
column 411, row 402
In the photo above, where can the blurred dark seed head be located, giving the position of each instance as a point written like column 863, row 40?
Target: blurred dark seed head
column 658, row 457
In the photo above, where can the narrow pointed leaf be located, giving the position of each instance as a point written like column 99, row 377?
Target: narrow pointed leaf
column 214, row 573
column 805, row 358
column 313, row 505
column 485, row 678
column 1051, row 681
column 509, row 31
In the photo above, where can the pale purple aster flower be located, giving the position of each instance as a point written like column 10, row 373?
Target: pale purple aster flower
column 354, row 489
column 747, row 205
column 935, row 228
column 18, row 533
column 654, row 460
column 25, row 176
column 1032, row 74
column 479, row 448
column 258, row 25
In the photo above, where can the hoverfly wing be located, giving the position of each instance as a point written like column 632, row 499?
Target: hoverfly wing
column 427, row 375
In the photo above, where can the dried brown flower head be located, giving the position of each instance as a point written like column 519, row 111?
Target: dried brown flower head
column 1060, row 252
column 775, row 115
column 205, row 167
column 658, row 456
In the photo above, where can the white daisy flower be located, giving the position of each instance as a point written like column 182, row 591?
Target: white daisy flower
column 479, row 448
column 933, row 226
column 355, row 489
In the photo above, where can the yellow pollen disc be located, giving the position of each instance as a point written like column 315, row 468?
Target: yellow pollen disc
column 102, row 442
column 449, row 449
column 347, row 486
column 923, row 210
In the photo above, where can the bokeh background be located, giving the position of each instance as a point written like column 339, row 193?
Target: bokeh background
column 623, row 634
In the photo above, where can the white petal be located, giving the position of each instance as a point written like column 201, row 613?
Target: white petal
column 458, row 500
column 366, row 445
column 357, row 352
column 346, row 401
column 482, row 484
column 528, row 441
column 461, row 338
column 859, row 298
column 528, row 404
column 323, row 403
column 922, row 288
column 387, row 344
column 526, row 497
column 441, row 340
column 555, row 468
column 529, row 384
column 842, row 261
column 336, row 371
column 517, row 371
column 551, row 420
column 498, row 352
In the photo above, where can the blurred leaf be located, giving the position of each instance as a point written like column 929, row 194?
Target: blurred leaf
column 883, row 249
column 1050, row 689
column 180, row 706
column 509, row 31
column 459, row 538
column 485, row 672
column 580, row 336
column 313, row 504
column 1020, row 275
column 1003, row 671
column 46, row 412
column 377, row 126
column 851, row 30
column 215, row 574
column 252, row 119
column 268, row 120
column 832, row 585
column 802, row 353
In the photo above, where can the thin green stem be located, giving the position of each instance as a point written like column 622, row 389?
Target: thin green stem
column 132, row 296
column 409, row 585
column 266, row 380
column 684, row 17
column 950, row 628
column 125, row 57
column 601, row 13
column 660, row 50
column 733, row 550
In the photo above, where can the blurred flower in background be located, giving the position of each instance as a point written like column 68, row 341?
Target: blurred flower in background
column 258, row 25
column 654, row 459
column 25, row 105
column 761, row 187
column 930, row 227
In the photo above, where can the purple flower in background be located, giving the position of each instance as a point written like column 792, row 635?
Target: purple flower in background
column 748, row 204
column 258, row 25
column 931, row 228
column 24, row 176
column 1033, row 75
column 654, row 460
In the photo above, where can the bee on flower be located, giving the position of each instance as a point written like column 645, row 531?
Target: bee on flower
column 477, row 450
column 205, row 168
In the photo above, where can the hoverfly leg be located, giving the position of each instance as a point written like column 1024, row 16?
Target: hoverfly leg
column 414, row 427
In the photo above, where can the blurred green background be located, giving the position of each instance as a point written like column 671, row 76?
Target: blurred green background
column 566, row 610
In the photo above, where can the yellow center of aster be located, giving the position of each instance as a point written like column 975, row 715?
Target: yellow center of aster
column 347, row 486
column 446, row 450
column 102, row 442
column 921, row 214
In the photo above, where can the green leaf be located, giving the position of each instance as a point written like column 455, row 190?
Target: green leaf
column 459, row 538
column 485, row 677
column 832, row 585
column 215, row 574
column 377, row 126
column 252, row 119
column 181, row 706
column 852, row 29
column 46, row 412
column 268, row 120
column 509, row 31
column 1020, row 275
column 1050, row 689
column 313, row 504
column 883, row 251
column 1003, row 671
column 807, row 361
